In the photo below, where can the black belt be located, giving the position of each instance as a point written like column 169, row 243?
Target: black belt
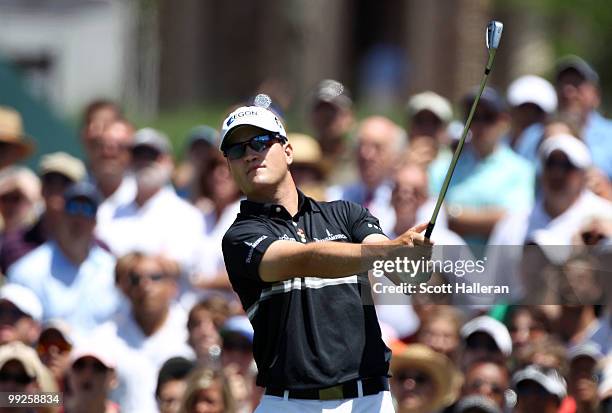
column 346, row 390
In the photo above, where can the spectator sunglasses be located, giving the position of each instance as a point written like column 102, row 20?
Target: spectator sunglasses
column 258, row 143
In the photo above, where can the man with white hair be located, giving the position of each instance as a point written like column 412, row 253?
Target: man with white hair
column 379, row 143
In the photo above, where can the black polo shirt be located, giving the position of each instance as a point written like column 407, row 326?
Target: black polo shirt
column 309, row 332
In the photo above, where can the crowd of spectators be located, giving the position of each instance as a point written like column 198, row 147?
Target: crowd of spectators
column 113, row 287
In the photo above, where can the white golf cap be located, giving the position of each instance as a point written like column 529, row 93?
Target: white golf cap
column 432, row 102
column 96, row 349
column 550, row 380
column 24, row 299
column 533, row 89
column 493, row 328
column 575, row 150
column 589, row 349
column 256, row 116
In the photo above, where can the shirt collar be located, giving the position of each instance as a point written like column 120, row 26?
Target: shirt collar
column 272, row 210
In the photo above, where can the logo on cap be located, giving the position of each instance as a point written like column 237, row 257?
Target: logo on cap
column 240, row 115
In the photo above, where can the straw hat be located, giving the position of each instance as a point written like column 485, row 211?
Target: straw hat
column 437, row 366
column 12, row 135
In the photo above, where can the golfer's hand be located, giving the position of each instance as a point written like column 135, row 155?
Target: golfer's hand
column 412, row 245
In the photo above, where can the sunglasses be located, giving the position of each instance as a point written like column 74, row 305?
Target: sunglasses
column 86, row 209
column 145, row 153
column 19, row 378
column 83, row 363
column 531, row 389
column 563, row 165
column 11, row 313
column 136, row 278
column 258, row 143
column 479, row 343
column 12, row 198
column 484, row 117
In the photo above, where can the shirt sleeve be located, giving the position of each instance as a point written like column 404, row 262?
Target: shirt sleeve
column 361, row 222
column 244, row 245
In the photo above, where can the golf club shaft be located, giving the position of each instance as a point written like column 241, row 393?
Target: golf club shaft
column 451, row 168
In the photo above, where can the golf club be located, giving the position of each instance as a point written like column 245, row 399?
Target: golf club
column 493, row 36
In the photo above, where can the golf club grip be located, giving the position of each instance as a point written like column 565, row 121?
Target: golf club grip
column 429, row 230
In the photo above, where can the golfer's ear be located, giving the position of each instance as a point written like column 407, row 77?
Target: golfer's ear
column 288, row 153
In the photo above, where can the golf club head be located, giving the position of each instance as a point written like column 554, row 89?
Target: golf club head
column 494, row 33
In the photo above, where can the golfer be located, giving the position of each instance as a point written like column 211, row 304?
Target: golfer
column 300, row 269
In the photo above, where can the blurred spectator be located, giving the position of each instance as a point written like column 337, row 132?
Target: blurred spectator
column 582, row 378
column 208, row 391
column 490, row 179
column 559, row 214
column 22, row 371
column 526, row 324
column 71, row 275
column 331, row 119
column 19, row 199
column 54, row 348
column 308, row 170
column 97, row 116
column 172, row 383
column 428, row 115
column 579, row 324
column 109, row 163
column 379, row 143
column 91, row 376
column 440, row 331
column 204, row 335
column 150, row 332
column 423, row 381
column 476, row 404
column 531, row 100
column 14, row 144
column 578, row 92
column 202, row 144
column 489, row 378
column 20, row 314
column 157, row 221
column 238, row 363
column 538, row 390
column 216, row 185
column 547, row 353
column 57, row 172
column 485, row 337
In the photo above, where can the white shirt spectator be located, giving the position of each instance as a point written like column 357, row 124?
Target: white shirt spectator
column 84, row 296
column 122, row 196
column 521, row 227
column 165, row 224
column 139, row 358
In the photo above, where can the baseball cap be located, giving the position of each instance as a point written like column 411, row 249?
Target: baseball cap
column 588, row 349
column 25, row 355
column 152, row 138
column 490, row 97
column 95, row 349
column 83, row 190
column 549, row 379
column 476, row 403
column 64, row 164
column 203, row 133
column 575, row 150
column 239, row 325
column 533, row 89
column 62, row 327
column 493, row 328
column 306, row 149
column 573, row 62
column 24, row 299
column 334, row 92
column 254, row 116
column 432, row 102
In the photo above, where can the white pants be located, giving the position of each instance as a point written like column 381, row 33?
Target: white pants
column 376, row 403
